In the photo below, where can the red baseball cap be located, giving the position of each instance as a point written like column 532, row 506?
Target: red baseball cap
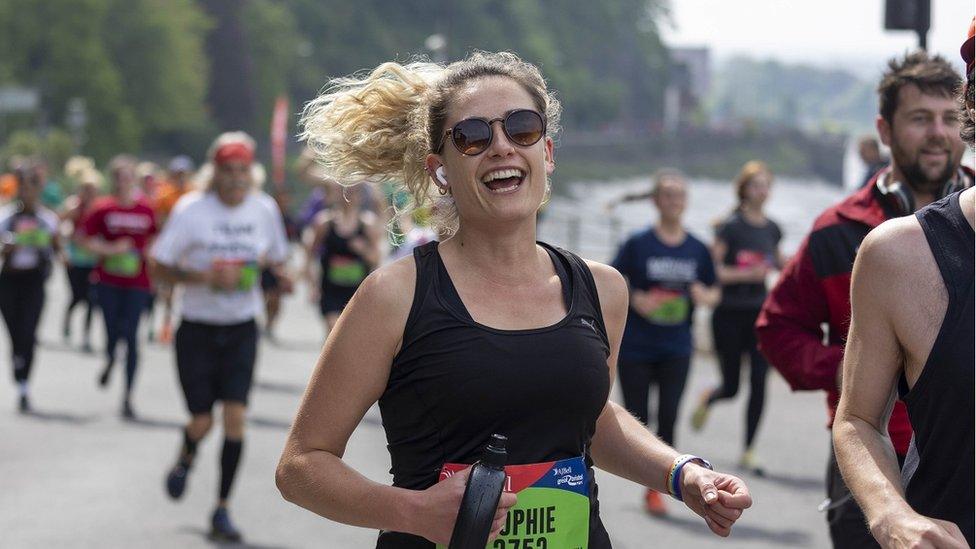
column 230, row 152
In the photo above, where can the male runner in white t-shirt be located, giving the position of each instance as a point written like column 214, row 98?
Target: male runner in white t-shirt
column 215, row 243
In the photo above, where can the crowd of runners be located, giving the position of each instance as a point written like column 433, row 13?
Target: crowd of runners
column 434, row 292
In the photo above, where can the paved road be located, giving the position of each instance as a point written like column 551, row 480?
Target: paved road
column 75, row 475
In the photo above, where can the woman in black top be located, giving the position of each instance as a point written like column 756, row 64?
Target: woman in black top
column 746, row 249
column 28, row 240
column 346, row 241
column 485, row 332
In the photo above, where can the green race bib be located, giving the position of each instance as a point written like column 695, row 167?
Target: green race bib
column 672, row 311
column 249, row 277
column 126, row 264
column 553, row 509
column 345, row 271
column 33, row 238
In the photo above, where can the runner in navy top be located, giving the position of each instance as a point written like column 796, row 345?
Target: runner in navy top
column 485, row 332
column 669, row 271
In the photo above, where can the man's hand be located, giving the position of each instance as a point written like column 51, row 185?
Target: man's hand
column 225, row 276
column 910, row 530
column 719, row 498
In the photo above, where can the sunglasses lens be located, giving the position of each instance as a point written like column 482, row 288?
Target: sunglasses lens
column 524, row 127
column 471, row 136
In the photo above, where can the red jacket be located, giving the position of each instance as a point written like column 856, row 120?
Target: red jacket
column 814, row 289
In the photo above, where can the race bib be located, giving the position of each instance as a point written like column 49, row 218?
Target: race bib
column 33, row 238
column 673, row 310
column 247, row 275
column 553, row 509
column 748, row 258
column 345, row 271
column 126, row 264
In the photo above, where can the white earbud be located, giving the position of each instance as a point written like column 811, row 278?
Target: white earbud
column 439, row 173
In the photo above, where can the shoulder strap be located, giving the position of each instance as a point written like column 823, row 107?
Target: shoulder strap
column 951, row 240
column 587, row 290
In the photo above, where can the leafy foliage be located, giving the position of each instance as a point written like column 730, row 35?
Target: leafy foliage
column 155, row 72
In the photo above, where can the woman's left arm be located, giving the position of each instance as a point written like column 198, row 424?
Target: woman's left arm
column 623, row 446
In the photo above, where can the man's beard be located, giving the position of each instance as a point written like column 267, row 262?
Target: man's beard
column 915, row 176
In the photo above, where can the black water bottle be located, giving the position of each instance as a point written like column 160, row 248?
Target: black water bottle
column 481, row 495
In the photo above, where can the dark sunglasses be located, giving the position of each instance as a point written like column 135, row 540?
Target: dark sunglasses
column 472, row 136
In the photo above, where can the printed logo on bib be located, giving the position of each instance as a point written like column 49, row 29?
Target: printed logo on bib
column 345, row 271
column 673, row 307
column 553, row 509
column 126, row 264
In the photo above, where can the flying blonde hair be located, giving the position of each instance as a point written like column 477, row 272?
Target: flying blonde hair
column 380, row 126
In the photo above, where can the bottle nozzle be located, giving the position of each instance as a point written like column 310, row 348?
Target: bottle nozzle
column 495, row 453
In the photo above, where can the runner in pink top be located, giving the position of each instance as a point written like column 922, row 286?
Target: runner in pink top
column 119, row 231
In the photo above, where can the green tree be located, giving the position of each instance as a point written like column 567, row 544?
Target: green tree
column 136, row 63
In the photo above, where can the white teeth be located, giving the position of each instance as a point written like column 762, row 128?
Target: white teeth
column 505, row 190
column 502, row 174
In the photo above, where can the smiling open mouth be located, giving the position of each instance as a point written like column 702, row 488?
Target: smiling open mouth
column 503, row 181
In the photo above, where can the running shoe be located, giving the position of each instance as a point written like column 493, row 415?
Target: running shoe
column 222, row 529
column 176, row 481
column 103, row 379
column 700, row 415
column 750, row 463
column 24, row 405
column 654, row 503
column 86, row 348
column 127, row 411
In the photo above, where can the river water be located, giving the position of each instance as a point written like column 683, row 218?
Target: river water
column 579, row 220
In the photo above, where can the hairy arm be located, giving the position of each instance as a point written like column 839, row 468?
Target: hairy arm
column 873, row 363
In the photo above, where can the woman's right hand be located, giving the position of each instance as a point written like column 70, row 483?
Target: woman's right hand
column 439, row 505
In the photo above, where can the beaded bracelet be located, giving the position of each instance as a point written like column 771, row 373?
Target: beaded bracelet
column 674, row 475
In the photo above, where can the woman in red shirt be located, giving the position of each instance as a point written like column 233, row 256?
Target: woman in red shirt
column 119, row 231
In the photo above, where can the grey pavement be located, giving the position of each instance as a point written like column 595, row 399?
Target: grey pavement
column 73, row 474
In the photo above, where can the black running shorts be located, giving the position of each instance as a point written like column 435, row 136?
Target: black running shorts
column 215, row 362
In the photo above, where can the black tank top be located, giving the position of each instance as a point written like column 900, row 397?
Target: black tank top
column 941, row 404
column 337, row 249
column 455, row 382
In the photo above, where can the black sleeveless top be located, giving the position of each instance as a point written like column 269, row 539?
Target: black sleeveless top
column 338, row 245
column 941, row 404
column 455, row 382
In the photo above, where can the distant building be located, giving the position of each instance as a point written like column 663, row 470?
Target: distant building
column 689, row 83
